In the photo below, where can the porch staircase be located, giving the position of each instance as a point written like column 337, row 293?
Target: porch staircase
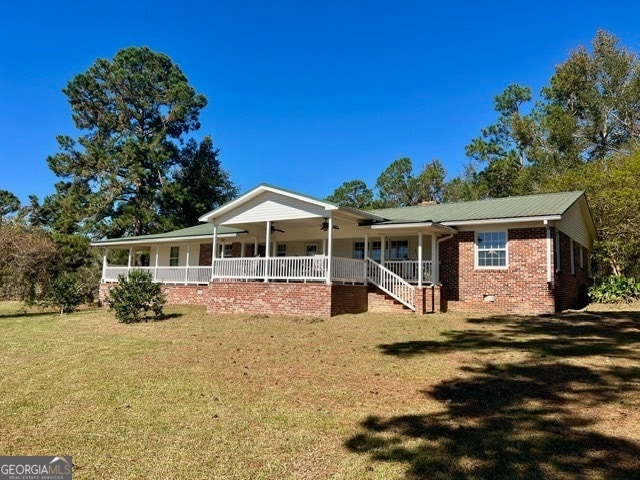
column 391, row 284
column 382, row 302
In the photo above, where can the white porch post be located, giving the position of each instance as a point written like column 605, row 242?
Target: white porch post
column 105, row 252
column 214, row 247
column 324, row 246
column 255, row 247
column 267, row 251
column 419, row 259
column 186, row 270
column 383, row 249
column 366, row 245
column 435, row 260
column 366, row 255
column 155, row 270
column 330, row 250
column 243, row 249
column 129, row 260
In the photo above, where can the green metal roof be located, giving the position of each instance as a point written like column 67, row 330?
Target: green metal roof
column 202, row 230
column 498, row 208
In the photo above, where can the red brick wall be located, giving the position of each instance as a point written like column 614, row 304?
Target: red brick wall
column 348, row 299
column 429, row 299
column 274, row 298
column 176, row 294
column 269, row 298
column 185, row 294
column 522, row 288
column 571, row 288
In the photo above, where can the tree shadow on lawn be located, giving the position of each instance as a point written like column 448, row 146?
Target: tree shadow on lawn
column 531, row 418
column 605, row 333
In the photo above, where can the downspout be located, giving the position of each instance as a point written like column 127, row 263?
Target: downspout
column 549, row 253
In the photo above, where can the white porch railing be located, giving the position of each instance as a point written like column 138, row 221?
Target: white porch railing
column 306, row 269
column 348, row 270
column 180, row 275
column 408, row 269
column 393, row 284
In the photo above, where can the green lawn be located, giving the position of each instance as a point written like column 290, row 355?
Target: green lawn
column 353, row 397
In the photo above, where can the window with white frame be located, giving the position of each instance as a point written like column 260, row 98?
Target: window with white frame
column 358, row 249
column 375, row 252
column 311, row 249
column 558, row 249
column 225, row 250
column 281, row 250
column 491, row 249
column 399, row 250
column 174, row 256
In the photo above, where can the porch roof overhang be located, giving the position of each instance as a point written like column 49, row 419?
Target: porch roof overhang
column 433, row 227
column 492, row 221
column 198, row 232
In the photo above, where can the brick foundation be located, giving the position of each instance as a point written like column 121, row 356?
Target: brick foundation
column 274, row 298
column 429, row 299
column 176, row 294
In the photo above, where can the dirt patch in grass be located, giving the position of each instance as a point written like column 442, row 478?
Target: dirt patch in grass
column 352, row 397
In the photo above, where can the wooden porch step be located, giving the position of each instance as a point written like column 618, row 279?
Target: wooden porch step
column 382, row 302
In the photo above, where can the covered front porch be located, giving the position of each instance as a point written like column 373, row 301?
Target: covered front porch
column 282, row 269
column 273, row 236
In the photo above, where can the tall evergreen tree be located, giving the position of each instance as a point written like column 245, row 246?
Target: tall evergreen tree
column 132, row 112
column 200, row 184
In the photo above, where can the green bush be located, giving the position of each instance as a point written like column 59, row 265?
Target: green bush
column 64, row 292
column 615, row 290
column 135, row 294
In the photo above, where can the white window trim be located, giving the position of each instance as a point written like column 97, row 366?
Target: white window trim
column 225, row 250
column 306, row 249
column 475, row 250
column 572, row 256
column 581, row 257
column 391, row 249
column 176, row 258
column 558, row 252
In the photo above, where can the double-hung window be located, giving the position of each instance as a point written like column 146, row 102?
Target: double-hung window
column 491, row 249
column 174, row 256
column 399, row 250
column 358, row 249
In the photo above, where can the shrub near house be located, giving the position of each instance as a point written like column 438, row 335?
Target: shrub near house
column 135, row 294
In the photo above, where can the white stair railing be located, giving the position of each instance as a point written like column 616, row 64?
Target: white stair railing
column 390, row 283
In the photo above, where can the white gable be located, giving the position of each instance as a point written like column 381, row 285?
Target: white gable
column 574, row 225
column 271, row 206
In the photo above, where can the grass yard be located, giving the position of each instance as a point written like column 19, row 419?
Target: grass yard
column 352, row 397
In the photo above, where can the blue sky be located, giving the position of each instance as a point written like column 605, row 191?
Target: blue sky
column 304, row 95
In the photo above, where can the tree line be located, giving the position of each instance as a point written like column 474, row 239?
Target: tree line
column 133, row 168
column 582, row 134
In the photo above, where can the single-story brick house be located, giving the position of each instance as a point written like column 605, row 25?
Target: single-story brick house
column 275, row 251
